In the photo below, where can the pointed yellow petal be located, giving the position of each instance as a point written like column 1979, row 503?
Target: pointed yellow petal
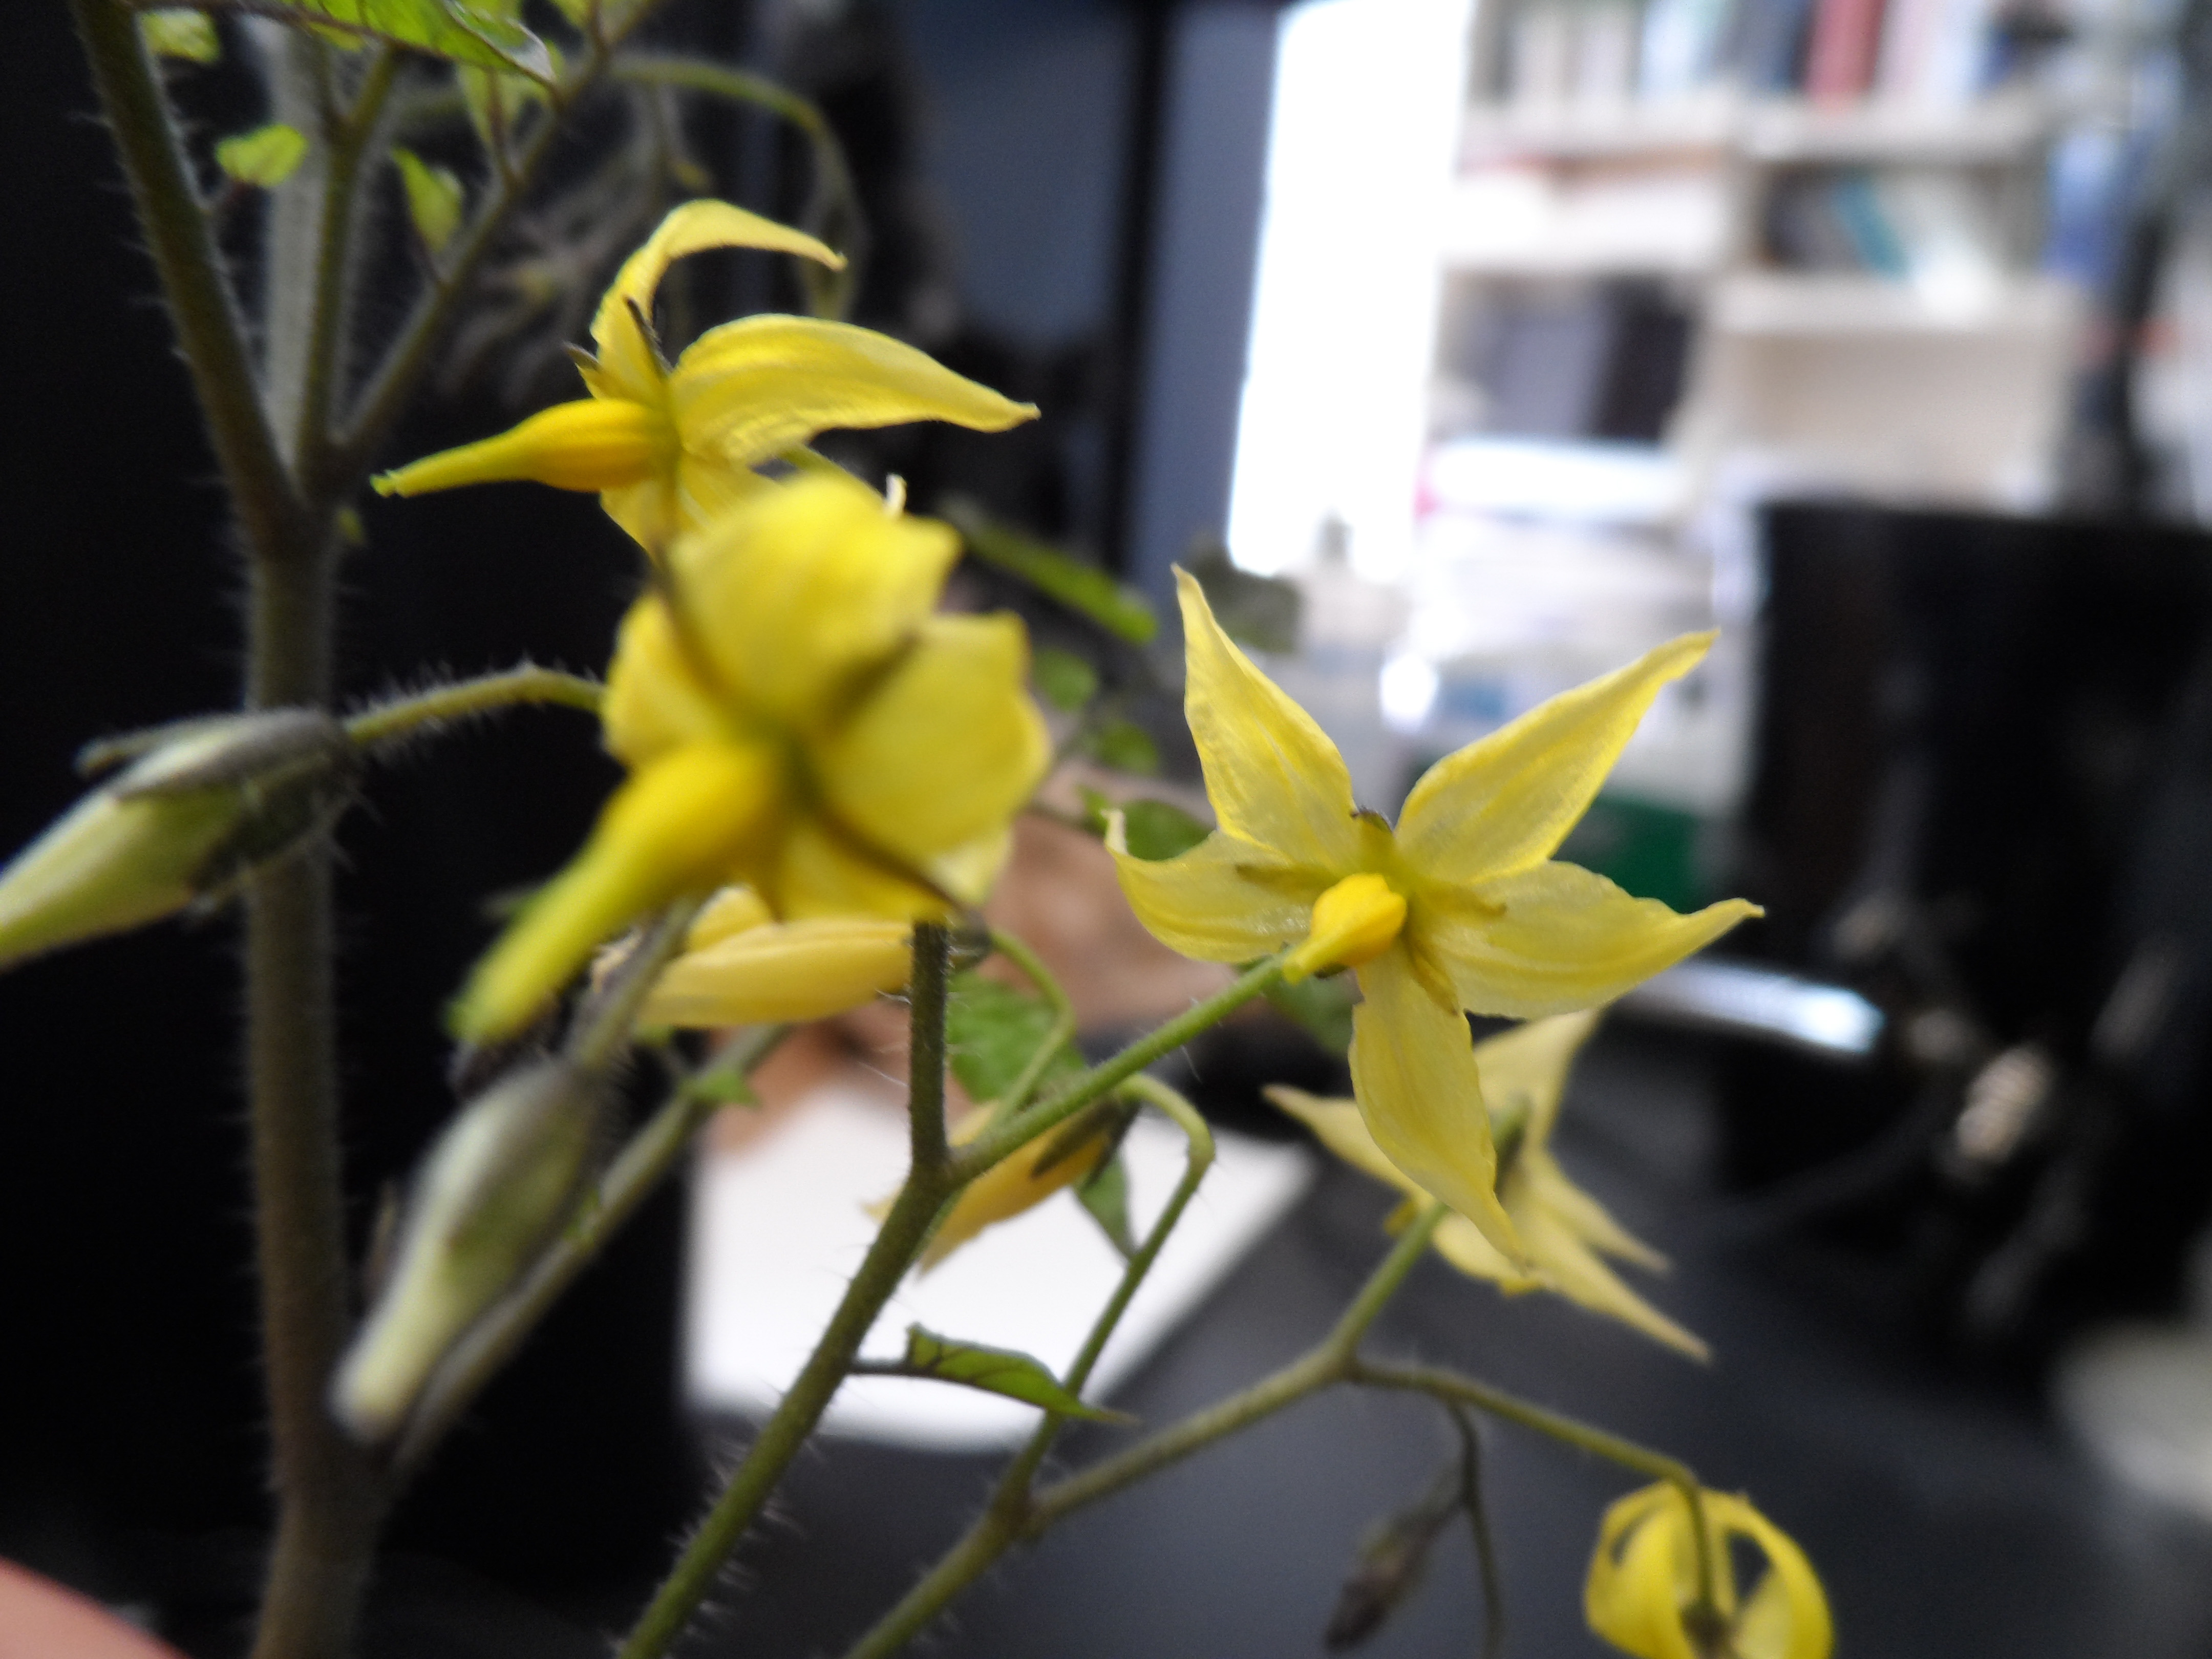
column 1010, row 1188
column 1787, row 1616
column 655, row 700
column 1224, row 899
column 677, row 826
column 1460, row 1242
column 1413, row 1068
column 820, row 875
column 1545, row 1183
column 784, row 971
column 754, row 388
column 1273, row 775
column 591, row 444
column 1507, row 802
column 1338, row 1125
column 945, row 748
column 1556, row 938
column 1633, row 1596
column 1525, row 1070
column 804, row 587
column 625, row 356
column 1354, row 922
column 1571, row 1268
column 970, row 870
column 733, row 910
column 700, row 491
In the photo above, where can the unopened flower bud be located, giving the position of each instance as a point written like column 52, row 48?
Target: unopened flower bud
column 1389, row 1565
column 496, row 1190
column 198, row 808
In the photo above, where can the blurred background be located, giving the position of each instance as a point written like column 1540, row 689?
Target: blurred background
column 1506, row 339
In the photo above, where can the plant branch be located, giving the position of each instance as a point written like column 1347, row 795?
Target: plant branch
column 210, row 331
column 1063, row 1017
column 636, row 1171
column 404, row 716
column 927, row 990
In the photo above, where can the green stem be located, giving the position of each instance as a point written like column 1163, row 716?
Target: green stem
column 1000, row 1525
column 1328, row 1363
column 636, row 1171
column 1063, row 1017
column 601, row 1033
column 1450, row 1386
column 526, row 684
column 210, row 332
column 1003, row 1138
column 928, row 1183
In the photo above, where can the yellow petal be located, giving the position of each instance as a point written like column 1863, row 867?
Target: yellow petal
column 1525, row 1070
column 1413, row 1068
column 1634, row 1594
column 756, row 388
column 1507, row 802
column 1787, row 1615
column 1580, row 1214
column 1570, row 1267
column 788, row 970
column 820, row 875
column 802, row 589
column 657, row 510
column 1354, row 922
column 1010, row 1188
column 626, row 357
column 1338, row 1125
column 592, row 444
column 655, row 700
column 733, row 910
column 677, row 826
column 1273, row 775
column 970, row 870
column 1224, row 899
column 1555, row 937
column 945, row 748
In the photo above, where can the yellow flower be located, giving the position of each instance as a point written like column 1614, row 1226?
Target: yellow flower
column 1012, row 1186
column 1461, row 907
column 668, row 449
column 793, row 717
column 1643, row 1583
column 740, row 966
column 1565, row 1233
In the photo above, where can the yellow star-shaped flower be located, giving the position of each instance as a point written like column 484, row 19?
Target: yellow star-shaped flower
column 1643, row 1583
column 1565, row 1233
column 669, row 449
column 1460, row 906
column 795, row 718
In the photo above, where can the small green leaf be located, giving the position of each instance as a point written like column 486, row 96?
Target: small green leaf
column 1125, row 746
column 1106, row 1196
column 994, row 1370
column 1263, row 612
column 1062, row 679
column 1081, row 587
column 477, row 35
column 174, row 31
column 265, row 157
column 719, row 1085
column 991, row 1030
column 1322, row 1006
column 433, row 198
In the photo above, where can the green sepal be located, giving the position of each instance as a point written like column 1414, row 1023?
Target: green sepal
column 1084, row 588
column 994, row 1371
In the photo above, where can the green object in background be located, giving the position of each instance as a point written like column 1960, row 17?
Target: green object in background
column 1648, row 849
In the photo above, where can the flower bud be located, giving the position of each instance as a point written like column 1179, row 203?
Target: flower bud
column 504, row 1178
column 199, row 807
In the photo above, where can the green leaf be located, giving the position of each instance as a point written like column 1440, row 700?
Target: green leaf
column 991, row 1029
column 1322, row 1006
column 476, row 36
column 1062, row 679
column 1119, row 610
column 1106, row 1195
column 1262, row 612
column 265, row 157
column 433, row 198
column 994, row 1370
column 1124, row 746
column 174, row 31
column 1152, row 830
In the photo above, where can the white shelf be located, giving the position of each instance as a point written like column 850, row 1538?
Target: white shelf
column 1802, row 305
column 1995, row 130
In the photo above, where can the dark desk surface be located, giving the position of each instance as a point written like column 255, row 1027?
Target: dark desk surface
column 1948, row 1520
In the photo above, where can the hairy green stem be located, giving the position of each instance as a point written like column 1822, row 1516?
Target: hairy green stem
column 1450, row 1386
column 1003, row 1138
column 528, row 683
column 928, row 1183
column 636, row 1171
column 1000, row 1525
column 210, row 331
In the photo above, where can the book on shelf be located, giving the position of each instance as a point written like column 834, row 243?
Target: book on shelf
column 1846, row 39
